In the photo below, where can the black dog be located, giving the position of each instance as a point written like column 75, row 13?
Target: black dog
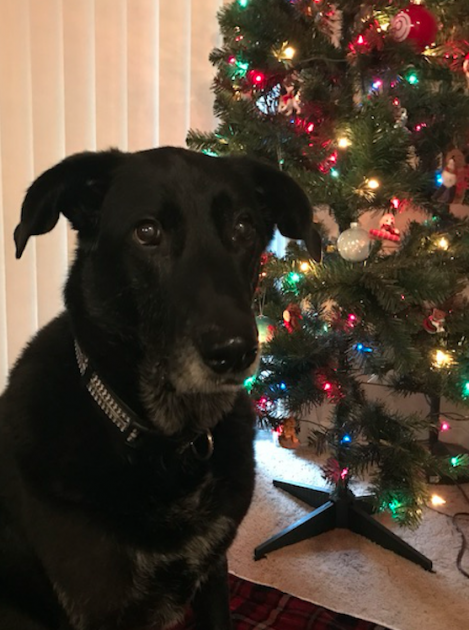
column 126, row 460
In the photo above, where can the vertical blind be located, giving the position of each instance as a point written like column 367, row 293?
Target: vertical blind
column 84, row 75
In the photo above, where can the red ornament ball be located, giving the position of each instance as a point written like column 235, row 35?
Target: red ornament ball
column 416, row 24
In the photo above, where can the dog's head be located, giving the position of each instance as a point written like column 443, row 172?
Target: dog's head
column 168, row 254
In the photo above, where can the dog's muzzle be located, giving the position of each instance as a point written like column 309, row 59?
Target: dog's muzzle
column 230, row 355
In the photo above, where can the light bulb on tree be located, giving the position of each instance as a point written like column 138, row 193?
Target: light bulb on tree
column 443, row 243
column 344, row 143
column 373, row 184
column 286, row 52
column 442, row 359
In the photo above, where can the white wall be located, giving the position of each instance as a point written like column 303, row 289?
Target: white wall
column 86, row 74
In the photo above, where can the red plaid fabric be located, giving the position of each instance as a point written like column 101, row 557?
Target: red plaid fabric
column 256, row 607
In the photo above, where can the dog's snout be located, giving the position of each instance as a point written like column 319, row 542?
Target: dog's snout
column 231, row 354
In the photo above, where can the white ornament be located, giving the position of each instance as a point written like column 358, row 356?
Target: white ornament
column 334, row 20
column 354, row 244
column 289, row 103
column 449, row 176
column 401, row 26
column 268, row 103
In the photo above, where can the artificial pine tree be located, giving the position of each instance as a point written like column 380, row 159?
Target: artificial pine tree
column 365, row 104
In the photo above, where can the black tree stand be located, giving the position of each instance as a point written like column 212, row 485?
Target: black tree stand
column 341, row 509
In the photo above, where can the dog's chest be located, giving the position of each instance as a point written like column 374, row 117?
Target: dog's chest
column 164, row 582
column 150, row 587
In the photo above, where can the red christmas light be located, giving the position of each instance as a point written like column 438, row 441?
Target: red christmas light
column 258, row 78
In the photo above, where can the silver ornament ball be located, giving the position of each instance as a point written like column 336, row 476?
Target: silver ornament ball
column 354, row 244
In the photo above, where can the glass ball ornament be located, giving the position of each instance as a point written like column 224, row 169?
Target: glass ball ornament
column 354, row 244
column 265, row 328
column 415, row 24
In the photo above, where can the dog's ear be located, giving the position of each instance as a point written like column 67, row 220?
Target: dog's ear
column 75, row 187
column 285, row 203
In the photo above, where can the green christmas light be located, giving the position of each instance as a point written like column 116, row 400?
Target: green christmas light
column 466, row 389
column 249, row 382
column 412, row 78
column 209, row 152
column 243, row 3
column 454, row 461
column 243, row 67
column 394, row 506
column 334, row 172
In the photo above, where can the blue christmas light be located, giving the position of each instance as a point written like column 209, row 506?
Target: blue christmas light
column 361, row 348
column 346, row 439
column 439, row 178
column 283, row 386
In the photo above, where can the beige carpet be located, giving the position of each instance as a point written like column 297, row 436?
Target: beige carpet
column 345, row 572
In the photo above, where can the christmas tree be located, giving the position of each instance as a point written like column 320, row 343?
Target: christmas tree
column 365, row 105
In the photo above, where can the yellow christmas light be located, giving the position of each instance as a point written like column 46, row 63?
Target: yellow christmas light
column 437, row 500
column 344, row 143
column 443, row 243
column 289, row 52
column 286, row 53
column 304, row 266
column 442, row 359
column 373, row 184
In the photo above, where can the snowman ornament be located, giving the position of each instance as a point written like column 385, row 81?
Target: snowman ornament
column 289, row 102
column 449, row 178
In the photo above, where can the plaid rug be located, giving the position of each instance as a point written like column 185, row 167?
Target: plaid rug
column 257, row 607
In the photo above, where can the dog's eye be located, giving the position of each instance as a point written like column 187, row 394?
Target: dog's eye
column 243, row 230
column 149, row 233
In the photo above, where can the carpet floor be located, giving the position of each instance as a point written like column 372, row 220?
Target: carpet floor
column 344, row 572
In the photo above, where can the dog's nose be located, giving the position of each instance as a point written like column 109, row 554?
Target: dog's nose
column 233, row 354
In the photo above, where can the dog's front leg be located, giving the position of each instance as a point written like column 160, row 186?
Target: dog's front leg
column 211, row 603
